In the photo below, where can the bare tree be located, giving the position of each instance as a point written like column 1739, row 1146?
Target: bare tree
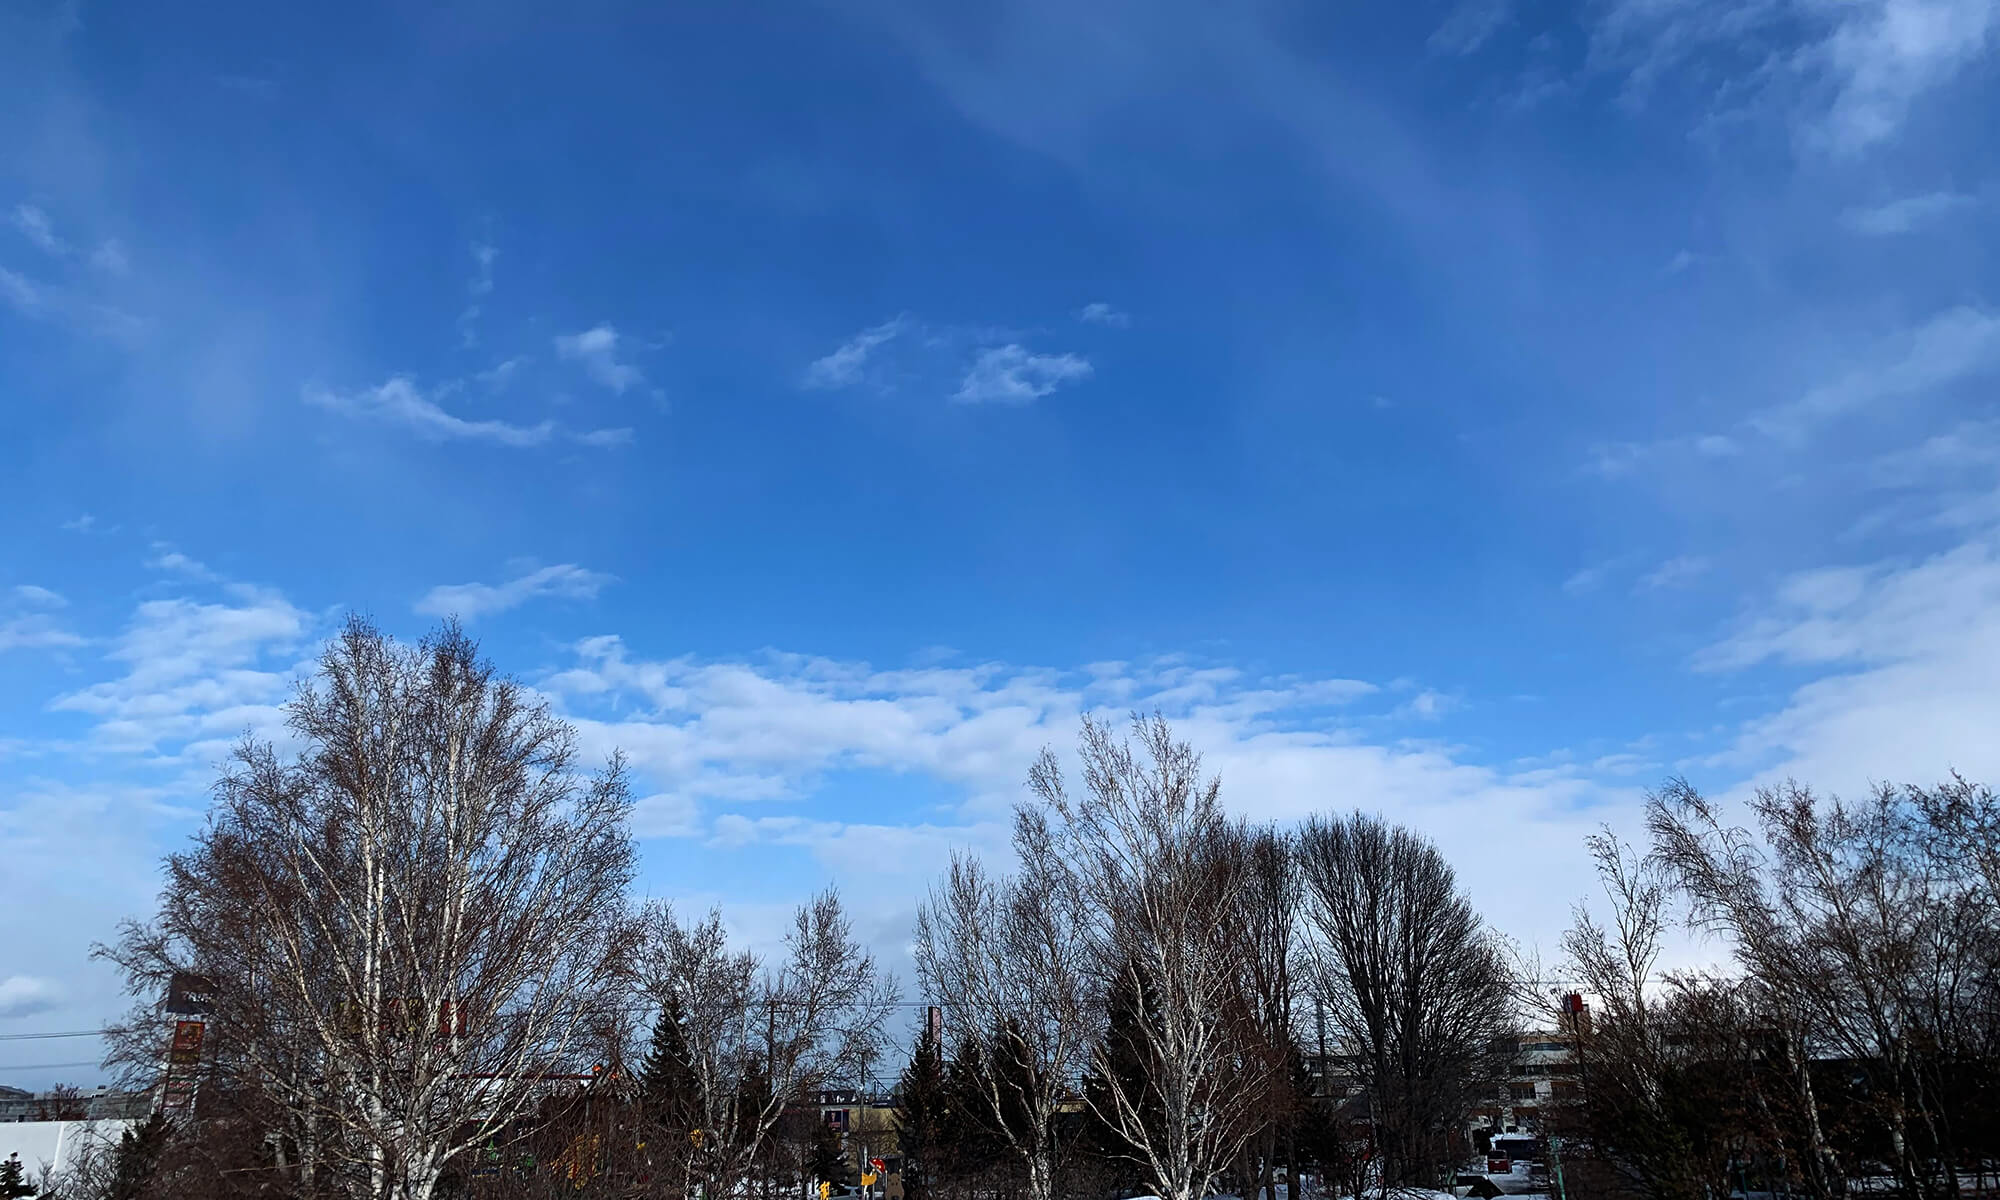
column 1667, row 1070
column 1163, row 875
column 762, row 1038
column 1868, row 928
column 1415, row 988
column 406, row 924
column 1267, row 921
column 1006, row 961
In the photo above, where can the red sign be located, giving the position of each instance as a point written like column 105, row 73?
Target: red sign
column 878, row 1164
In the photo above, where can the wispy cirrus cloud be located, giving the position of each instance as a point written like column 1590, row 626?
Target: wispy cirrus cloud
column 1907, row 214
column 483, row 256
column 848, row 363
column 1011, row 374
column 1953, row 345
column 39, row 596
column 399, row 402
column 470, row 601
column 110, row 257
column 34, row 224
column 1677, row 572
column 1844, row 77
column 36, row 631
column 22, row 294
column 596, row 350
column 1470, row 25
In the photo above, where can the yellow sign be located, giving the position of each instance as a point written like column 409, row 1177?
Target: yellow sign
column 825, row 1190
column 694, row 1135
column 868, row 1180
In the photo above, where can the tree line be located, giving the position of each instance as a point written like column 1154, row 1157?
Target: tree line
column 422, row 974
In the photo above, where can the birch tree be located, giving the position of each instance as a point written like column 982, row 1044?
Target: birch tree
column 1163, row 879
column 1867, row 927
column 762, row 1037
column 409, row 916
column 1006, row 960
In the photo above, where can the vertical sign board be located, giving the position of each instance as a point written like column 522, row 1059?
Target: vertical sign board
column 934, row 1020
column 189, row 995
column 183, row 1060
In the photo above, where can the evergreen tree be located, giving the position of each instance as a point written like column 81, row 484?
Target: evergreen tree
column 923, row 1117
column 137, row 1159
column 14, row 1179
column 974, row 1149
column 1126, row 1056
column 667, row 1083
column 828, row 1159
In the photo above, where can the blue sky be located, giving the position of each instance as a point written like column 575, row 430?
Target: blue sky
column 1473, row 413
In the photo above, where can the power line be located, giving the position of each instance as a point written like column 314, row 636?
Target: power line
column 30, row 1037
column 49, row 1066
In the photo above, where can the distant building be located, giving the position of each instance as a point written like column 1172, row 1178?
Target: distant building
column 99, row 1104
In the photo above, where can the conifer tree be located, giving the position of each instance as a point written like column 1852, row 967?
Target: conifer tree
column 14, row 1179
column 923, row 1116
column 137, row 1160
column 667, row 1082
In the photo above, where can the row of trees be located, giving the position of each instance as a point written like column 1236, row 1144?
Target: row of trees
column 424, row 975
column 1159, row 952
column 419, row 958
column 1858, row 1034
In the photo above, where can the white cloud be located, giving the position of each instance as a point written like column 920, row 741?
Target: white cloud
column 605, row 438
column 1905, row 215
column 109, row 257
column 844, row 367
column 597, row 350
column 1953, row 345
column 26, row 995
column 83, row 524
column 194, row 677
column 1587, row 579
column 1470, row 25
column 1970, row 446
column 469, row 601
column 497, row 376
column 483, row 255
column 1882, row 56
column 398, row 402
column 1284, row 746
column 1843, row 75
column 1428, row 705
column 34, row 225
column 40, row 596
column 1011, row 375
column 1617, row 460
column 1904, row 656
column 1674, row 573
column 166, row 558
column 1100, row 313
column 36, row 632
column 21, row 293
